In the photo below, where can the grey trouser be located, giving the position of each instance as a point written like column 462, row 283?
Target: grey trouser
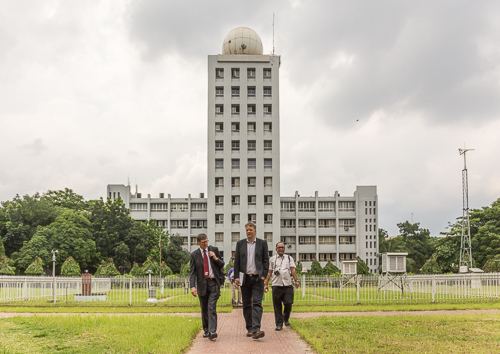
column 208, row 305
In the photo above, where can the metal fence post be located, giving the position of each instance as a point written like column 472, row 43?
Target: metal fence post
column 433, row 287
column 303, row 285
column 357, row 288
column 130, row 292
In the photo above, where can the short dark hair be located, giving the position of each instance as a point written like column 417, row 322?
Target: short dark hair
column 201, row 237
column 279, row 243
column 251, row 224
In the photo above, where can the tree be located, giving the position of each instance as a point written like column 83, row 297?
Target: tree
column 486, row 241
column 176, row 256
column 137, row 242
column 316, row 268
column 35, row 268
column 330, row 269
column 228, row 266
column 107, row 269
column 71, row 268
column 6, row 267
column 71, row 237
column 298, row 268
column 2, row 248
column 38, row 246
column 361, row 267
column 447, row 253
column 122, row 254
column 66, row 199
column 151, row 265
column 165, row 270
column 418, row 243
column 492, row 265
column 431, row 267
column 186, row 268
column 136, row 270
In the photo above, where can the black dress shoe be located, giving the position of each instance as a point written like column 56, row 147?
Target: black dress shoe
column 206, row 335
column 258, row 334
column 213, row 336
column 279, row 328
column 287, row 323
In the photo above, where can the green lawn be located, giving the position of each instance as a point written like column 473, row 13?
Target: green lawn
column 97, row 334
column 470, row 333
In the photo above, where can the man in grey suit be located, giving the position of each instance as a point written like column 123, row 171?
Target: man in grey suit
column 205, row 279
column 251, row 263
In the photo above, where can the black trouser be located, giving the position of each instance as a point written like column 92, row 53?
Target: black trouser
column 252, row 292
column 282, row 295
column 208, row 304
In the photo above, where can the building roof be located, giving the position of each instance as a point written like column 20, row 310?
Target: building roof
column 242, row 40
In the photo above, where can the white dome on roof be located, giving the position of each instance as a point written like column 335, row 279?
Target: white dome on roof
column 242, row 40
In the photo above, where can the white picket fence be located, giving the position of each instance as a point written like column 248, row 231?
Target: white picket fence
column 314, row 290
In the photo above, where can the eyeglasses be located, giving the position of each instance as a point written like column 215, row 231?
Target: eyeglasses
column 280, row 247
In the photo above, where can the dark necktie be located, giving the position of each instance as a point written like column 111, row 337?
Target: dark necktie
column 206, row 270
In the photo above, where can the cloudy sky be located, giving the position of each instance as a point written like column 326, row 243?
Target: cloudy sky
column 371, row 93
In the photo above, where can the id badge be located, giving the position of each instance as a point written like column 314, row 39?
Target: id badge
column 206, row 274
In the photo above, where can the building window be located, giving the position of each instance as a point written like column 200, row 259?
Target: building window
column 251, row 91
column 179, row 207
column 198, row 224
column 251, row 145
column 251, row 127
column 251, row 181
column 325, row 257
column 179, row 224
column 251, row 73
column 199, row 207
column 235, row 73
column 235, row 200
column 267, row 91
column 287, row 223
column 268, row 127
column 219, row 237
column 346, row 206
column 219, row 91
column 252, row 200
column 306, row 206
column 347, row 256
column 235, row 182
column 235, row 109
column 138, row 206
column 219, row 164
column 219, row 182
column 235, row 145
column 235, row 164
column 327, row 240
column 268, row 109
column 287, row 206
column 252, row 163
column 235, row 218
column 268, row 236
column 219, row 145
column 251, row 109
column 268, row 218
column 235, row 91
column 267, row 73
column 307, row 223
column 307, row 240
column 219, row 200
column 268, row 144
column 219, row 73
column 268, row 163
column 326, row 206
column 219, row 127
column 347, row 222
column 235, row 236
column 159, row 207
column 235, row 127
column 219, row 218
column 219, row 109
column 307, row 257
column 347, row 240
column 326, row 223
column 162, row 223
column 268, row 181
column 268, row 200
column 252, row 217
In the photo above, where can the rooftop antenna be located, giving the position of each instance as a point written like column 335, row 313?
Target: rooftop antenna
column 465, row 243
column 273, row 33
column 136, row 188
column 128, row 180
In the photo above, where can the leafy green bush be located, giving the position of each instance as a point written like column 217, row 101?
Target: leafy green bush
column 136, row 270
column 35, row 268
column 186, row 268
column 151, row 265
column 361, row 267
column 165, row 270
column 331, row 269
column 431, row 267
column 71, row 268
column 316, row 268
column 6, row 267
column 107, row 269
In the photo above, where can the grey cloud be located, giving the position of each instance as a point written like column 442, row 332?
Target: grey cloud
column 35, row 148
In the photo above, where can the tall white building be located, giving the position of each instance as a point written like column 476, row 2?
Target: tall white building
column 244, row 173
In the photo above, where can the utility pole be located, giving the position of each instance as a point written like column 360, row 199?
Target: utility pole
column 465, row 242
column 160, row 254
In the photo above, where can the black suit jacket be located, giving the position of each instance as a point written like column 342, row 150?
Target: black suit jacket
column 196, row 275
column 261, row 257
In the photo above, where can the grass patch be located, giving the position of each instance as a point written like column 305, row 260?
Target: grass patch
column 97, row 334
column 469, row 333
column 107, row 309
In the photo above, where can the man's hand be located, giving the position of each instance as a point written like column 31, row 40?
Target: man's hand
column 194, row 292
column 237, row 281
column 266, row 288
column 297, row 284
column 212, row 255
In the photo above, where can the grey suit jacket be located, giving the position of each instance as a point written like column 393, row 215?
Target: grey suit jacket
column 261, row 257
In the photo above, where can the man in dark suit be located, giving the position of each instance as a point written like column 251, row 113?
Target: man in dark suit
column 251, row 263
column 205, row 279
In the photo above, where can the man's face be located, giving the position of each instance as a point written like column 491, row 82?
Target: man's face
column 203, row 243
column 250, row 232
column 280, row 248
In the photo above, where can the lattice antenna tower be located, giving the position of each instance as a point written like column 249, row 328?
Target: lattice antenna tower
column 465, row 243
column 273, row 33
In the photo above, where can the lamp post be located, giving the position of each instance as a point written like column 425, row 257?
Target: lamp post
column 54, row 275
